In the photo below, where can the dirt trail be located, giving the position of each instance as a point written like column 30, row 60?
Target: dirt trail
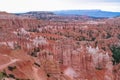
column 7, row 64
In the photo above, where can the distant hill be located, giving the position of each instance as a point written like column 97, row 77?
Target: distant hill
column 70, row 15
column 92, row 13
column 37, row 14
column 52, row 16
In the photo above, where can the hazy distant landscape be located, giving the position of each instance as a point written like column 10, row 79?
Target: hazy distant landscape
column 90, row 13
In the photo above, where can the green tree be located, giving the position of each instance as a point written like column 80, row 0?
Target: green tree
column 116, row 54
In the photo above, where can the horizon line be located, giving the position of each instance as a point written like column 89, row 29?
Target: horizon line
column 57, row 10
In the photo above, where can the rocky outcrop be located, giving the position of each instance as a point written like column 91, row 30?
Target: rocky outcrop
column 48, row 50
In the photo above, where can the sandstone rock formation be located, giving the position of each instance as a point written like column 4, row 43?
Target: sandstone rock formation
column 32, row 49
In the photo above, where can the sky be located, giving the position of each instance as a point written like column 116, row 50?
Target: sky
column 19, row 6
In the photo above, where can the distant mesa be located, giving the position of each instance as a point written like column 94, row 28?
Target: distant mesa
column 63, row 15
column 66, row 15
column 92, row 13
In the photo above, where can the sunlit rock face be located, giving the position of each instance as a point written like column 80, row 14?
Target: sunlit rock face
column 32, row 49
column 85, row 62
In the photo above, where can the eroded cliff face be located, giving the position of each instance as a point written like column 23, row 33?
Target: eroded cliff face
column 33, row 49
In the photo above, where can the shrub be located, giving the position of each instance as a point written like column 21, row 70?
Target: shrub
column 116, row 54
column 11, row 68
column 2, row 75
